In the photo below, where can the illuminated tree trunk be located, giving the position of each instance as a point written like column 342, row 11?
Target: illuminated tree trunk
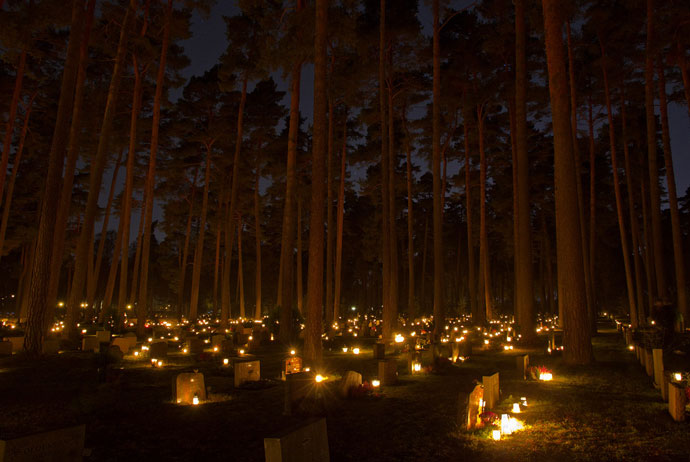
column 112, row 273
column 330, row 231
column 411, row 307
column 40, row 270
column 185, row 252
column 678, row 256
column 340, row 217
column 471, row 264
column 240, row 272
column 439, row 308
column 646, row 230
column 516, row 245
column 388, row 312
column 571, row 285
column 142, row 306
column 393, row 294
column 137, row 258
column 312, row 337
column 578, row 177
column 300, row 253
column 220, row 209
column 199, row 251
column 592, row 205
column 230, row 222
column 653, row 168
column 619, row 202
column 485, row 264
column 257, row 226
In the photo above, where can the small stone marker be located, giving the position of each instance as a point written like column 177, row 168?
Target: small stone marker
column 158, row 349
column 658, row 364
column 676, row 401
column 125, row 343
column 297, row 387
column 379, row 350
column 247, row 371
column 306, row 443
column 350, row 380
column 195, row 345
column 293, row 364
column 522, row 362
column 491, row 390
column 648, row 362
column 63, row 445
column 103, row 336
column 187, row 386
column 388, row 371
column 5, row 348
column 17, row 343
column 469, row 408
column 90, row 343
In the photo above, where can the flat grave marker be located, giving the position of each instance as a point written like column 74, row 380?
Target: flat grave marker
column 388, row 371
column 187, row 386
column 676, row 401
column 307, row 442
column 90, row 343
column 247, row 371
column 491, row 390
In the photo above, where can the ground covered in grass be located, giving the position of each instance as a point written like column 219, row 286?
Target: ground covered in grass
column 608, row 411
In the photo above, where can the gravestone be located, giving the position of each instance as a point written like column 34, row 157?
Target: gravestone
column 114, row 353
column 522, row 362
column 648, row 362
column 293, row 364
column 63, row 445
column 125, row 343
column 491, row 390
column 158, row 349
column 217, row 340
column 5, row 348
column 306, row 443
column 195, row 345
column 470, row 407
column 297, row 387
column 90, row 343
column 227, row 347
column 247, row 371
column 187, row 385
column 51, row 346
column 379, row 350
column 103, row 336
column 414, row 357
column 676, row 401
column 658, row 363
column 664, row 386
column 628, row 336
column 388, row 371
column 17, row 343
column 350, row 380
column 455, row 351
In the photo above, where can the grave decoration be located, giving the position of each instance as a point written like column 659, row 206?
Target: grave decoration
column 189, row 388
column 540, row 373
column 471, row 408
column 293, row 364
column 351, row 381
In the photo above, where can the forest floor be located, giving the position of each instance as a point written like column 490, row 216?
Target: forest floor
column 607, row 411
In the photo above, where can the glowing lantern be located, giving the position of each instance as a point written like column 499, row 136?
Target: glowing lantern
column 344, row 349
column 399, row 338
column 375, row 383
column 292, row 352
column 355, row 351
column 319, row 378
column 677, row 376
column 496, row 435
column 195, row 400
column 416, row 367
column 226, row 361
column 545, row 376
column 516, row 408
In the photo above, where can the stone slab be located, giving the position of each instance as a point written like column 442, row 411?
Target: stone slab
column 307, row 442
column 522, row 363
column 491, row 390
column 247, row 371
column 125, row 343
column 188, row 385
column 350, row 380
column 90, row 343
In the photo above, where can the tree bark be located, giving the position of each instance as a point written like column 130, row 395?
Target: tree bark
column 483, row 232
column 471, row 265
column 300, row 254
column 142, row 306
column 678, row 255
column 654, row 196
column 439, row 308
column 9, row 126
column 411, row 306
column 257, row 227
column 240, row 272
column 576, row 336
column 388, row 314
column 181, row 309
column 393, row 293
column 312, row 339
column 330, row 232
column 592, row 207
column 340, row 217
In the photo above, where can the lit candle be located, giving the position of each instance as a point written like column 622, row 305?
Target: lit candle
column 355, row 351
column 677, row 376
column 375, row 383
column 496, row 434
column 516, row 408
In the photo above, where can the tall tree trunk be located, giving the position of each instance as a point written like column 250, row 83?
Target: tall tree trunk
column 571, row 285
column 619, row 202
column 524, row 280
column 232, row 206
column 287, row 236
column 483, row 232
column 312, row 337
column 300, row 254
column 240, row 272
column 393, row 293
column 654, row 196
column 199, row 252
column 142, row 306
column 9, row 126
column 216, row 264
column 137, row 258
column 439, row 308
column 40, row 271
column 471, row 265
column 13, row 177
column 126, row 212
column 592, row 206
column 685, row 74
column 340, row 217
column 516, row 232
column 181, row 309
column 578, row 177
column 94, row 275
column 330, row 232
column 388, row 314
column 411, row 306
column 646, row 231
column 65, row 196
column 257, row 228
column 422, row 292
column 634, row 225
column 678, row 255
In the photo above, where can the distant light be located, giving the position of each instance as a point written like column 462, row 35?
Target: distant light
column 354, row 308
column 319, row 378
column 375, row 383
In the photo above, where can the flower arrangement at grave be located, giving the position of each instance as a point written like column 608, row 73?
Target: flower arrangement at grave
column 365, row 390
column 541, row 373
